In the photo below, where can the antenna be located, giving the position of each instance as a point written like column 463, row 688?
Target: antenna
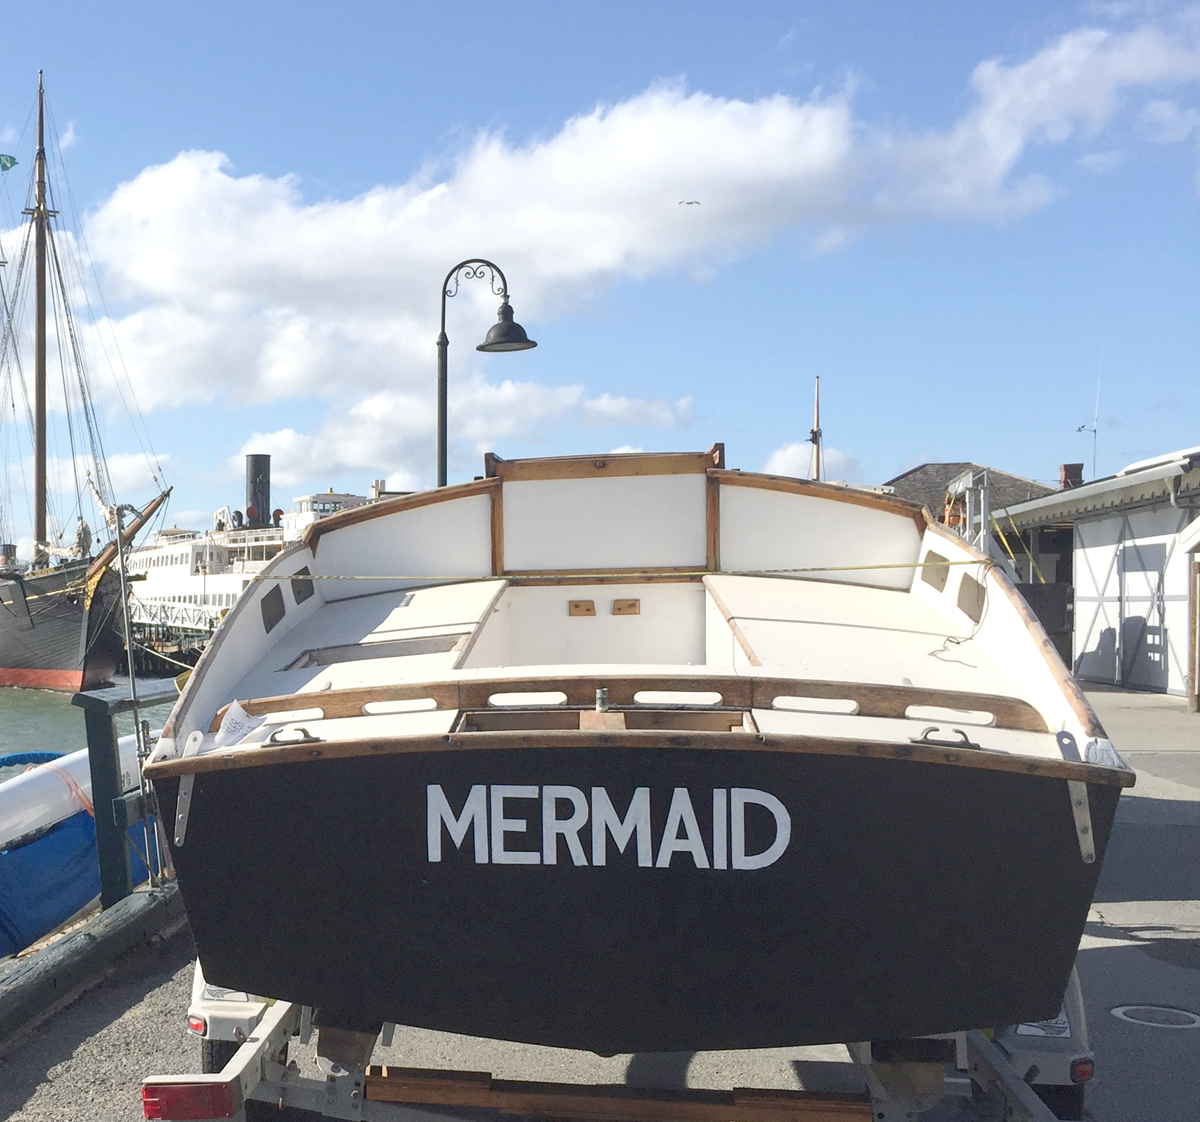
column 1094, row 427
column 814, row 435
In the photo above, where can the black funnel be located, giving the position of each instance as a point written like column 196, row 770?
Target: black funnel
column 258, row 492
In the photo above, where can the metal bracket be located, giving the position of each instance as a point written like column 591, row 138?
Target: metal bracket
column 1082, row 811
column 305, row 737
column 127, row 809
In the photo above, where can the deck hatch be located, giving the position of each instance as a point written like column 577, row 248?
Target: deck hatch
column 359, row 652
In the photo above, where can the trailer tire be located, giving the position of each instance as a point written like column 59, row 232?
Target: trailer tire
column 1065, row 1102
column 215, row 1054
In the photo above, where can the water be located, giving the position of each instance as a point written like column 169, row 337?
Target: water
column 46, row 721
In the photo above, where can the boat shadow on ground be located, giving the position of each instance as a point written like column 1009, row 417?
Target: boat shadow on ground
column 28, row 1061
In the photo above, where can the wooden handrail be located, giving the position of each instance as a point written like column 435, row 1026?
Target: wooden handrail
column 737, row 691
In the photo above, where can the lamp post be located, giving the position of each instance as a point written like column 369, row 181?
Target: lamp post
column 504, row 335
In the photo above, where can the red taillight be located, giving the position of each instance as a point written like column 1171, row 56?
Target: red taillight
column 1082, row 1070
column 197, row 1025
column 181, row 1101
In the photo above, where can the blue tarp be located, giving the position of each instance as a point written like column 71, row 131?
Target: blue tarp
column 44, row 883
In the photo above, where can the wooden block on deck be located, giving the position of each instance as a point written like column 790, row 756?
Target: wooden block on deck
column 627, row 608
column 581, row 607
column 594, row 720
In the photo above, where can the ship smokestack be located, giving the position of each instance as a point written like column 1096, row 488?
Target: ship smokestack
column 258, row 491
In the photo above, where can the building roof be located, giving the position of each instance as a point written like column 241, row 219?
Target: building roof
column 926, row 485
column 1174, row 477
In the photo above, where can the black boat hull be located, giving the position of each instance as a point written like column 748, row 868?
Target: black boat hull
column 911, row 898
column 55, row 633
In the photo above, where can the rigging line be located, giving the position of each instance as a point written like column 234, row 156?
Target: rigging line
column 136, row 419
column 87, row 405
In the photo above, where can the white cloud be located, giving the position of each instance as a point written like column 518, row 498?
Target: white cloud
column 235, row 287
column 1100, row 163
column 795, row 459
column 1167, row 123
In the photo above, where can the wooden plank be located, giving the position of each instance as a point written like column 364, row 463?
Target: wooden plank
column 596, row 720
column 227, row 759
column 498, row 531
column 738, row 633
column 667, row 574
column 606, row 1103
column 627, row 607
column 818, row 490
column 384, row 507
column 712, row 522
column 581, row 607
column 608, row 465
column 737, row 691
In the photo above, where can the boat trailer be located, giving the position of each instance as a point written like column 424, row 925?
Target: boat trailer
column 257, row 1082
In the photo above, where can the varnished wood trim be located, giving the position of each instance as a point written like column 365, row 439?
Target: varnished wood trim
column 229, row 759
column 607, row 465
column 712, row 522
column 1063, row 678
column 609, row 576
column 478, row 1090
column 738, row 633
column 497, row 531
column 384, row 507
column 818, row 490
column 738, row 691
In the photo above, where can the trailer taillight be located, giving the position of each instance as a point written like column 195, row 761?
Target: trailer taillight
column 197, row 1025
column 1082, row 1070
column 181, row 1101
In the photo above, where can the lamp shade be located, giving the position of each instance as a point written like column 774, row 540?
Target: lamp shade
column 505, row 335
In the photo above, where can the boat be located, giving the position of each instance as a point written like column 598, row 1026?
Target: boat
column 636, row 752
column 185, row 580
column 60, row 613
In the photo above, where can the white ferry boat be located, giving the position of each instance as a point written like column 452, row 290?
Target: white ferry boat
column 186, row 580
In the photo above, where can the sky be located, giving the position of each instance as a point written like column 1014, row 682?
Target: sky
column 968, row 220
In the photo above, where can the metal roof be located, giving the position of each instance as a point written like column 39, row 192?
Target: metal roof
column 1174, row 477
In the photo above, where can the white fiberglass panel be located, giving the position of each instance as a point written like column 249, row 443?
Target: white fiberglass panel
column 532, row 626
column 443, row 539
column 763, row 529
column 619, row 523
column 847, row 633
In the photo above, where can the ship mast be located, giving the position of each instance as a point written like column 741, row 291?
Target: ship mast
column 815, row 435
column 41, row 219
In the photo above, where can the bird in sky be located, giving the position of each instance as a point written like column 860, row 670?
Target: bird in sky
column 689, row 202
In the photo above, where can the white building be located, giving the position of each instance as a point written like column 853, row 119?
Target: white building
column 1135, row 587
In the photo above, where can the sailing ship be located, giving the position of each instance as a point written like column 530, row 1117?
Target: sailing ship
column 635, row 752
column 60, row 614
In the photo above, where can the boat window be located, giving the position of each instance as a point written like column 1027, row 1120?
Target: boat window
column 971, row 598
column 358, row 652
column 934, row 570
column 272, row 607
column 302, row 585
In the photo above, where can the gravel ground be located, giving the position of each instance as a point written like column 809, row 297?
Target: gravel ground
column 87, row 1061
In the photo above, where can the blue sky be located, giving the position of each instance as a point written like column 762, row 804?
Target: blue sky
column 961, row 216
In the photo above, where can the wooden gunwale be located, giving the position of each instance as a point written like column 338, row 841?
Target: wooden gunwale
column 741, row 691
column 604, row 466
column 1080, row 705
column 384, row 507
column 734, row 626
column 227, row 759
column 607, row 1104
column 817, row 490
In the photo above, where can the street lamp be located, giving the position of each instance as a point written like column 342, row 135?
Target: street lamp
column 504, row 335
